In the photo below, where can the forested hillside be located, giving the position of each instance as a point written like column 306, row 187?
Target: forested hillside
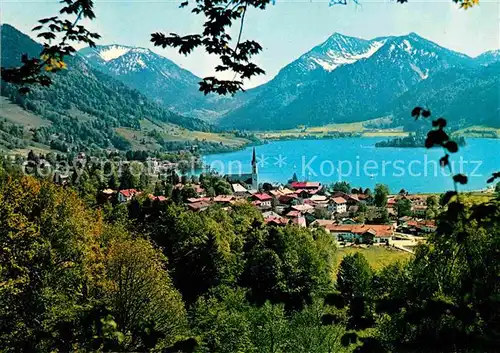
column 84, row 273
column 83, row 105
column 465, row 97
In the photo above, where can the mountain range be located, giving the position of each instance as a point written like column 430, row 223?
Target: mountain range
column 344, row 79
column 83, row 107
column 157, row 77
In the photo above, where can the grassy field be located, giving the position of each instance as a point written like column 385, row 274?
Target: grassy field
column 169, row 132
column 479, row 131
column 320, row 131
column 18, row 115
column 377, row 256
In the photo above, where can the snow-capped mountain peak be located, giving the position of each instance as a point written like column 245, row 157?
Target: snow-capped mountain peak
column 339, row 50
column 489, row 57
column 112, row 52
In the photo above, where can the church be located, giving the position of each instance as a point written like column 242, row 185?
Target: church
column 249, row 181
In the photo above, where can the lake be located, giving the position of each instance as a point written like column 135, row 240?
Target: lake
column 359, row 162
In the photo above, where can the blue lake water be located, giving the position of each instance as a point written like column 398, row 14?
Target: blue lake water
column 359, row 162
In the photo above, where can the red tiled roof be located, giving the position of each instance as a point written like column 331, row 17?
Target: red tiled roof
column 293, row 214
column 129, row 192
column 198, row 199
column 379, row 230
column 157, row 198
column 223, row 198
column 338, row 200
column 300, row 221
column 353, row 197
column 198, row 205
column 262, row 197
column 305, row 185
column 276, row 220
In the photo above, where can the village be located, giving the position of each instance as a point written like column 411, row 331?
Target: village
column 355, row 217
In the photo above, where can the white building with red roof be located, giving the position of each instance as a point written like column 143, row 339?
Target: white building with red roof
column 127, row 195
column 337, row 205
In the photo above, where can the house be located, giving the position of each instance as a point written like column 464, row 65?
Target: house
column 322, row 223
column 264, row 199
column 307, row 185
column 198, row 206
column 293, row 214
column 302, row 193
column 319, row 199
column 154, row 198
column 223, row 199
column 268, row 214
column 127, row 195
column 276, row 220
column 416, row 227
column 351, row 199
column 200, row 191
column 367, row 199
column 303, row 208
column 419, row 210
column 290, row 199
column 299, row 221
column 198, row 199
column 366, row 233
column 239, row 190
column 338, row 205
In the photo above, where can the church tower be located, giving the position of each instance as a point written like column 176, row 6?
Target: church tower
column 255, row 181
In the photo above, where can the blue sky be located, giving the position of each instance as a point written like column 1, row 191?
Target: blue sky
column 285, row 30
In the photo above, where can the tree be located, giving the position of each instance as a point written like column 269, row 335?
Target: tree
column 342, row 186
column 321, row 213
column 403, row 207
column 128, row 179
column 497, row 190
column 384, row 216
column 143, row 300
column 51, row 264
column 381, row 193
column 276, row 265
column 294, row 178
column 354, row 276
column 354, row 282
column 223, row 323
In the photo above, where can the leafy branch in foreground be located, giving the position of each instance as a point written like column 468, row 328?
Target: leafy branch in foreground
column 52, row 55
column 215, row 39
column 443, row 300
column 220, row 16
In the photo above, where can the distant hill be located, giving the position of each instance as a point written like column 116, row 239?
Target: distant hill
column 83, row 105
column 158, row 78
column 488, row 58
column 465, row 97
column 342, row 80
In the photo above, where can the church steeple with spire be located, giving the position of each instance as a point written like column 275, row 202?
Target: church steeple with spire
column 255, row 180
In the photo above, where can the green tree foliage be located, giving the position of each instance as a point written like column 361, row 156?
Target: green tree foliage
column 322, row 213
column 446, row 300
column 215, row 185
column 51, row 262
column 143, row 300
column 129, row 178
column 403, row 207
column 342, row 186
column 381, row 192
column 287, row 265
column 202, row 248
